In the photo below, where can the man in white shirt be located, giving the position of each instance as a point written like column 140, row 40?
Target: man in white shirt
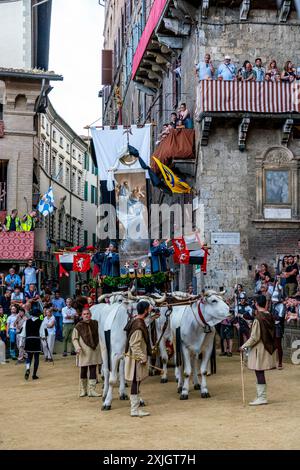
column 227, row 70
column 68, row 315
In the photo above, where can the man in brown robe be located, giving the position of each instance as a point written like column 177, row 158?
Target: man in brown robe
column 137, row 350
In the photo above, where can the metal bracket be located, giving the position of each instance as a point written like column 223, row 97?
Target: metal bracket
column 243, row 130
column 286, row 131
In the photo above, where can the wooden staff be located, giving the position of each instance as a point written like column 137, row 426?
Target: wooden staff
column 149, row 365
column 242, row 377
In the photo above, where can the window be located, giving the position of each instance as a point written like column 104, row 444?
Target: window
column 47, row 160
column 94, row 195
column 86, row 191
column 53, row 164
column 68, row 148
column 67, row 182
column 47, row 129
column 52, row 227
column 67, row 236
column 43, row 121
column 86, row 161
column 94, row 169
column 73, row 182
column 61, row 142
column 74, row 153
column 78, row 232
column 94, row 239
column 60, row 170
column 85, row 238
column 54, row 135
column 79, row 189
column 73, row 231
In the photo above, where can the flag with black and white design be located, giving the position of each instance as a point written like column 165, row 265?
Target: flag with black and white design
column 46, row 204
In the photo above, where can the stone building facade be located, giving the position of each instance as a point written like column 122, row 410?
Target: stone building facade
column 240, row 154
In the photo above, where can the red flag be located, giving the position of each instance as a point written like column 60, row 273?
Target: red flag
column 204, row 265
column 62, row 271
column 81, row 263
column 181, row 254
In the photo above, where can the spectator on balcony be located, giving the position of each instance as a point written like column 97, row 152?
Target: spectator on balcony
column 272, row 72
column 205, row 69
column 290, row 274
column 184, row 116
column 12, row 279
column 260, row 276
column 174, row 121
column 12, row 222
column 259, row 71
column 289, row 72
column 227, row 70
column 245, row 73
column 28, row 221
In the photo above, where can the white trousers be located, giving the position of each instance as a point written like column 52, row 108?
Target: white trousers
column 48, row 351
column 2, row 351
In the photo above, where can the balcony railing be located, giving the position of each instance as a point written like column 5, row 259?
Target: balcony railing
column 18, row 246
column 250, row 97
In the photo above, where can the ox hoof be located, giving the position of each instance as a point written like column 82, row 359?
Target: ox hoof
column 163, row 381
column 179, row 389
column 106, row 407
column 142, row 403
column 123, row 396
column 184, row 397
column 205, row 395
column 197, row 387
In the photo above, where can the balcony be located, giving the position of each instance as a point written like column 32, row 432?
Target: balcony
column 16, row 246
column 247, row 101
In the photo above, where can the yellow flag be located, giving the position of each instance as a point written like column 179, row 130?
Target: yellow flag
column 172, row 181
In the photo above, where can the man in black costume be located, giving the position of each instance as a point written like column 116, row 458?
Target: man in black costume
column 33, row 333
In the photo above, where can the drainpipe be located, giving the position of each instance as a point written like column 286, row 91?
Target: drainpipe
column 71, row 185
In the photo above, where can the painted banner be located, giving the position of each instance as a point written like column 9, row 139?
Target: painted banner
column 131, row 205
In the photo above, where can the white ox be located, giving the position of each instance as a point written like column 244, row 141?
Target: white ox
column 191, row 339
column 112, row 319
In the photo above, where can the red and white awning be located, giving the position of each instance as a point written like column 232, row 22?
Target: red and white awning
column 252, row 97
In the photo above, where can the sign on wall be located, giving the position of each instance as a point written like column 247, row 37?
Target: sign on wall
column 225, row 238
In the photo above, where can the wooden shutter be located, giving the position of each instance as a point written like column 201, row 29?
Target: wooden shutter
column 107, row 67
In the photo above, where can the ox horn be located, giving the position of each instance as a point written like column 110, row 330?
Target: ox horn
column 161, row 299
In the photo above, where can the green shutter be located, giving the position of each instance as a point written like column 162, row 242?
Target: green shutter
column 86, row 161
column 86, row 191
column 94, row 239
column 92, row 194
column 96, row 196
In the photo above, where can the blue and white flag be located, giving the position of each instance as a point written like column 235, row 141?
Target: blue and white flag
column 46, row 204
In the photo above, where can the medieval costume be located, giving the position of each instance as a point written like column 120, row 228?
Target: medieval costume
column 85, row 338
column 262, row 352
column 278, row 312
column 33, row 332
column 137, row 350
column 159, row 254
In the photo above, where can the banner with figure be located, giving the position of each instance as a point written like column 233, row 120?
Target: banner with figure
column 131, row 205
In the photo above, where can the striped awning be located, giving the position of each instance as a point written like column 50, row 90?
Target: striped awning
column 251, row 97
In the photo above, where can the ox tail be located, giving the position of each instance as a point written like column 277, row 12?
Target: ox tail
column 213, row 359
column 178, row 348
column 108, row 347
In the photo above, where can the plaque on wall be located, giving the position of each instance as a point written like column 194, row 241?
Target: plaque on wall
column 273, row 213
column 225, row 238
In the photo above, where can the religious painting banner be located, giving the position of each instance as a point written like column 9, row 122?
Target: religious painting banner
column 132, row 213
column 110, row 145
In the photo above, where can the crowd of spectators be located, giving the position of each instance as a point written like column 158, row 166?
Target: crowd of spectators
column 227, row 70
column 282, row 292
column 178, row 120
column 21, row 296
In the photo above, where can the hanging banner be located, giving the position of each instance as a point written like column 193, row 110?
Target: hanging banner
column 131, row 205
column 110, row 143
